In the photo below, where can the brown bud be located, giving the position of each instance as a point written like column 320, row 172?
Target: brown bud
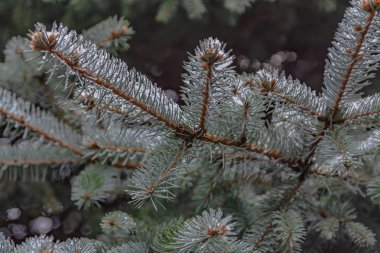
column 215, row 231
column 206, row 65
column 92, row 145
column 357, row 28
column 348, row 50
column 370, row 5
column 40, row 42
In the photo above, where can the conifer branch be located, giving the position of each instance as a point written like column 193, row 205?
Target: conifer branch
column 210, row 57
column 296, row 104
column 358, row 116
column 202, row 118
column 349, row 175
column 20, row 120
column 181, row 151
column 35, row 154
column 112, row 33
column 285, row 203
column 101, row 82
column 289, row 90
column 121, row 148
column 157, row 176
column 363, row 110
column 351, row 62
column 90, row 102
column 273, row 154
column 50, row 43
column 32, row 118
column 219, row 135
column 55, row 44
column 355, row 58
column 166, row 10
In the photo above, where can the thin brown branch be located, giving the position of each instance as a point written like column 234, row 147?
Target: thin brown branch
column 288, row 99
column 358, row 116
column 180, row 152
column 103, row 83
column 243, row 136
column 296, row 104
column 355, row 58
column 206, row 97
column 40, row 131
column 89, row 101
column 209, row 60
column 94, row 145
column 129, row 165
column 274, row 154
column 349, row 175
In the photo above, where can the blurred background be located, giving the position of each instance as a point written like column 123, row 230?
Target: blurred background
column 292, row 35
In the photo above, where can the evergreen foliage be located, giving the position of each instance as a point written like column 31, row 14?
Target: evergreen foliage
column 266, row 162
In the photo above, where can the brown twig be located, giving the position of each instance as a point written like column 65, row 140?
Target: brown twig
column 94, row 145
column 355, row 58
column 40, row 131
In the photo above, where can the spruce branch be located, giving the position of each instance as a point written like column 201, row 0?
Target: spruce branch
column 282, row 207
column 208, row 71
column 206, row 92
column 290, row 230
column 290, row 91
column 238, row 6
column 93, row 185
column 337, row 151
column 6, row 245
column 360, row 234
column 131, row 247
column 369, row 142
column 75, row 245
column 87, row 99
column 364, row 111
column 41, row 122
column 118, row 223
column 97, row 67
column 351, row 62
column 65, row 46
column 274, row 154
column 208, row 231
column 166, row 10
column 40, row 243
column 33, row 154
column 160, row 174
column 112, row 33
column 229, row 133
column 194, row 8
